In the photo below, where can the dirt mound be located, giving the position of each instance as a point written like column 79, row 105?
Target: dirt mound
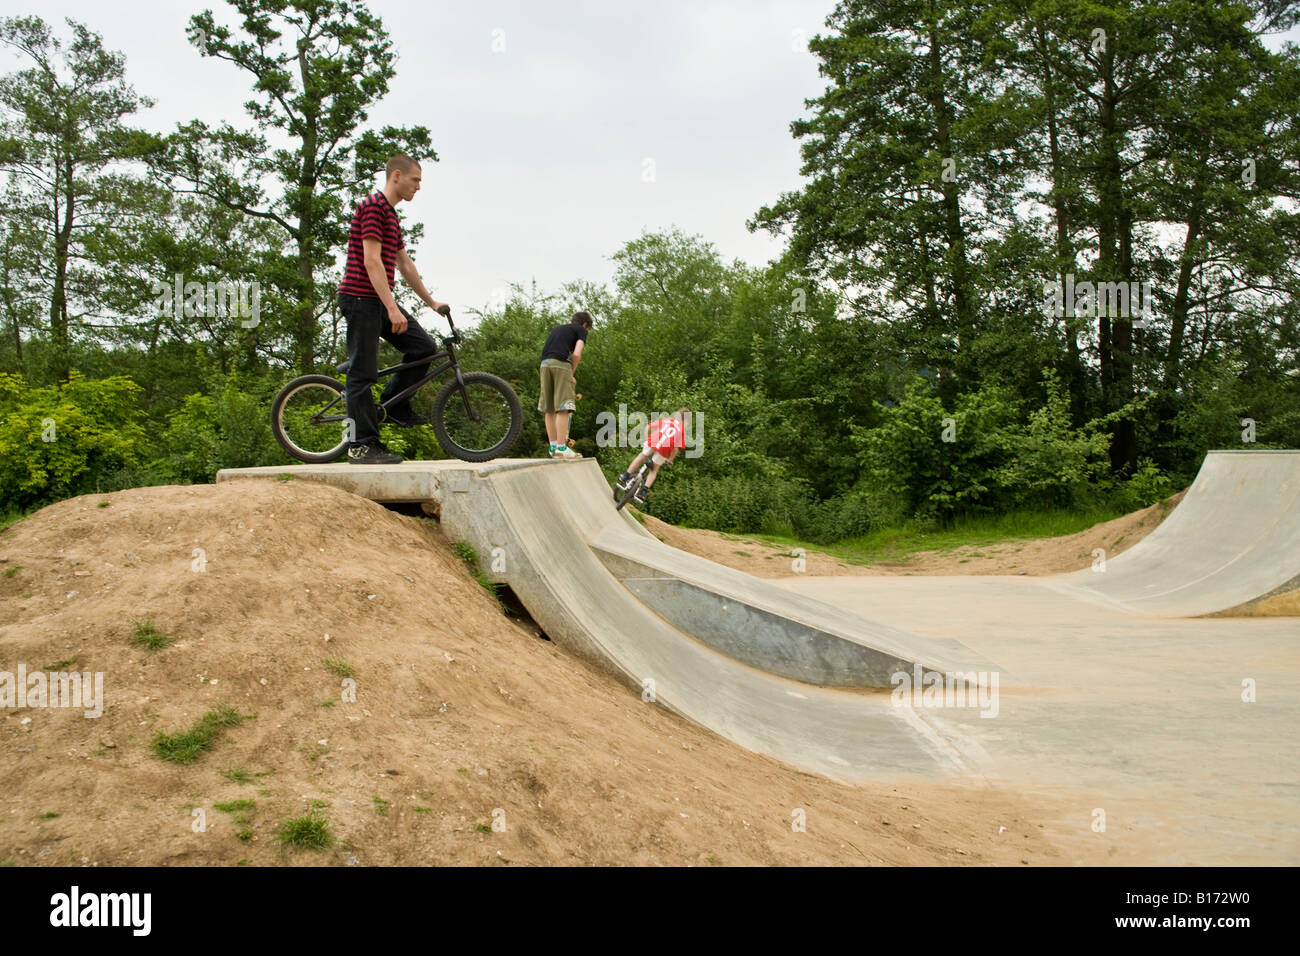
column 463, row 718
column 1031, row 556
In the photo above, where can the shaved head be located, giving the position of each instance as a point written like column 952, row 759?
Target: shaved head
column 401, row 163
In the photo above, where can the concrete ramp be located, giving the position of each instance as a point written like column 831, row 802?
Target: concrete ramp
column 1233, row 541
column 588, row 575
column 545, row 520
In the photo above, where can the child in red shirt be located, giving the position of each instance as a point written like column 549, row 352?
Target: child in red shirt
column 664, row 439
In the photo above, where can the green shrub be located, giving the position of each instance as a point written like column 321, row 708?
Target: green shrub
column 64, row 440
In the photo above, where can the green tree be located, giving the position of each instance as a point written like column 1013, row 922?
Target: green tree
column 317, row 66
column 62, row 134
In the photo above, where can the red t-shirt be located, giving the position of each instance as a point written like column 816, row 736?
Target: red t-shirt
column 375, row 218
column 666, row 434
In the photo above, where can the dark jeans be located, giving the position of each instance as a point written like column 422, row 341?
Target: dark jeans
column 367, row 321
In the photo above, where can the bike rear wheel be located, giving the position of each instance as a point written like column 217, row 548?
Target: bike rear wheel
column 480, row 421
column 309, row 419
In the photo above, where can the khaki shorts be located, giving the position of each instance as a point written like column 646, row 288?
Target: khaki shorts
column 558, row 393
column 657, row 458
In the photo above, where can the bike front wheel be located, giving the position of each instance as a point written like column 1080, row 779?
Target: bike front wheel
column 479, row 421
column 633, row 487
column 309, row 419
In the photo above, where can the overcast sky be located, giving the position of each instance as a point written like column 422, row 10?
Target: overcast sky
column 545, row 117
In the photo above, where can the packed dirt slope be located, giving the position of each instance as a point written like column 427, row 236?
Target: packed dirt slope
column 462, row 715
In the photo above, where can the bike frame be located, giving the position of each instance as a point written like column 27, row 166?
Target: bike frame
column 448, row 352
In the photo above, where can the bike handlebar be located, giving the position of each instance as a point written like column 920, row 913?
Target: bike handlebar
column 445, row 311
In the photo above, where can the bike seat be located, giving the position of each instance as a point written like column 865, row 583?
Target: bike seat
column 343, row 367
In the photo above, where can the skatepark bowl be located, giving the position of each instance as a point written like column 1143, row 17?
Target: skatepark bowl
column 1110, row 686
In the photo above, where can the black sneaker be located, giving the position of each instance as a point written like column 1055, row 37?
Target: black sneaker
column 641, row 496
column 373, row 453
column 623, row 481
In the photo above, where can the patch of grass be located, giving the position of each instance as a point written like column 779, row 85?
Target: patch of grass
column 242, row 862
column 234, row 806
column 338, row 667
column 186, row 746
column 307, row 833
column 484, row 828
column 245, row 834
column 381, row 805
column 428, row 810
column 10, row 572
column 328, row 702
column 316, row 804
column 284, row 477
column 464, row 771
column 10, row 517
column 714, row 860
column 7, row 861
column 465, row 551
column 59, row 665
column 237, row 775
column 49, row 815
column 313, row 752
column 105, row 504
column 148, row 637
column 900, row 542
column 238, row 810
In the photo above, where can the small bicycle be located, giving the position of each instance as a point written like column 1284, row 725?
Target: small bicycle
column 476, row 416
column 638, row 479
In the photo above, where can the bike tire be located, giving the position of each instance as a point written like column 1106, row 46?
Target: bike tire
column 632, row 487
column 286, row 441
column 484, row 387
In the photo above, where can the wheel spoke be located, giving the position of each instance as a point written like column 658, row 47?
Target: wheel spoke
column 485, row 425
column 312, row 419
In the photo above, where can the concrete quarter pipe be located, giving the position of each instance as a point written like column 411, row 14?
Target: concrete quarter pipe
column 1232, row 541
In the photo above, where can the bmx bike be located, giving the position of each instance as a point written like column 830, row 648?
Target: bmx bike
column 638, row 479
column 475, row 416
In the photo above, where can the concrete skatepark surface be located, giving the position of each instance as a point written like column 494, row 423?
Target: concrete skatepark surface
column 1144, row 713
column 1233, row 541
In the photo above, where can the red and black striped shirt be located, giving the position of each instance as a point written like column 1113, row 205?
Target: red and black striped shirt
column 375, row 218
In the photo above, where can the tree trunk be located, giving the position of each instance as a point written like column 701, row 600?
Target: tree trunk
column 60, row 342
column 305, row 321
column 1113, row 252
column 954, row 234
column 1065, row 261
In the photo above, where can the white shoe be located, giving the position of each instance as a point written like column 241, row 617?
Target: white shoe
column 566, row 454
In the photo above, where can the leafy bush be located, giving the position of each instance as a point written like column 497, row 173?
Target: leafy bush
column 983, row 456
column 69, row 439
column 1147, row 486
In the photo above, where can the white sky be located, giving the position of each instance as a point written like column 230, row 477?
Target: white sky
column 542, row 146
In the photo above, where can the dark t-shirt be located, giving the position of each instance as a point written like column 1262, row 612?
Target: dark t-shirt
column 562, row 341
